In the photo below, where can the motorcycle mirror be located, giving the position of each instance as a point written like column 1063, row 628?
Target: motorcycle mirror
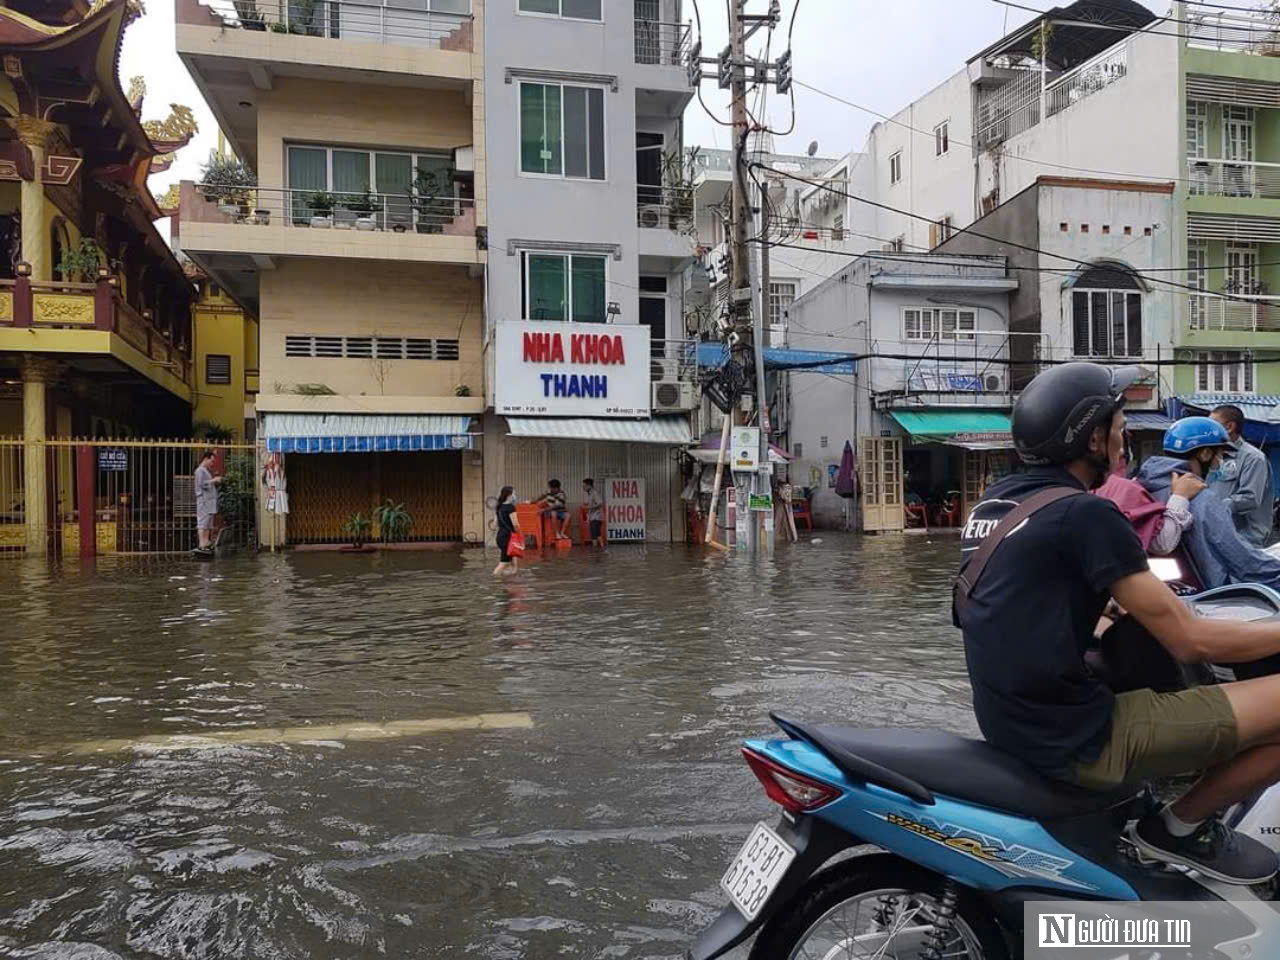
column 1166, row 568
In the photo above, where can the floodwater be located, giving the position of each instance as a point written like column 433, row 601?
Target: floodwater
column 537, row 767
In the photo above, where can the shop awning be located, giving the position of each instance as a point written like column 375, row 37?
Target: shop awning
column 671, row 431
column 1146, row 420
column 715, row 355
column 358, row 433
column 970, row 429
column 1264, row 408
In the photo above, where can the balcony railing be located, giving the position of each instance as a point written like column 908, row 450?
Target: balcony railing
column 1233, row 178
column 1213, row 28
column 348, row 20
column 1087, row 79
column 61, row 305
column 674, row 360
column 322, row 210
column 665, row 208
column 664, row 44
column 1241, row 314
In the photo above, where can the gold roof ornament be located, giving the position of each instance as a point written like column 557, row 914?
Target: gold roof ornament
column 169, row 199
column 179, row 125
column 137, row 90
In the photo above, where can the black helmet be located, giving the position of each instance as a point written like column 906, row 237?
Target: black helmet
column 1056, row 414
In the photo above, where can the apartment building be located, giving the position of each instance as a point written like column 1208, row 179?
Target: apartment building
column 591, row 370
column 360, row 246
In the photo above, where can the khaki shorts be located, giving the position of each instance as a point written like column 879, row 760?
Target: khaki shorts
column 1162, row 735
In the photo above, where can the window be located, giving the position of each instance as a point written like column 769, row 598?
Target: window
column 1106, row 313
column 369, row 348
column 562, row 130
column 929, row 323
column 1242, row 269
column 895, row 167
column 946, row 229
column 564, row 287
column 781, row 296
column 837, row 228
column 1224, row 371
column 1197, row 128
column 941, row 138
column 351, row 173
column 1197, row 277
column 217, row 368
column 568, row 9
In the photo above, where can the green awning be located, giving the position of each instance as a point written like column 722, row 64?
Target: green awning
column 971, row 429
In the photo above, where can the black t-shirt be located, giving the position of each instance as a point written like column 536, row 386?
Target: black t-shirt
column 1032, row 616
column 504, row 518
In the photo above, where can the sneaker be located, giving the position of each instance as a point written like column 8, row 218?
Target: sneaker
column 1214, row 850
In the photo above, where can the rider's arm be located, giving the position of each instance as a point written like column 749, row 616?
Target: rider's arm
column 1177, row 518
column 1190, row 638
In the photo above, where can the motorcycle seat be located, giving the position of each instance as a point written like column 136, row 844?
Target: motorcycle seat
column 957, row 767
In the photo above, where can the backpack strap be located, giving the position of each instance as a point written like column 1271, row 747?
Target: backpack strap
column 972, row 572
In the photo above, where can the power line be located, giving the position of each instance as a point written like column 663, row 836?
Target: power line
column 982, row 236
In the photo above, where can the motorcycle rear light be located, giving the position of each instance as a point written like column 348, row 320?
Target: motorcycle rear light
column 793, row 791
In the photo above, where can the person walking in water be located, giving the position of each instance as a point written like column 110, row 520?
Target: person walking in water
column 595, row 511
column 508, row 527
column 206, row 501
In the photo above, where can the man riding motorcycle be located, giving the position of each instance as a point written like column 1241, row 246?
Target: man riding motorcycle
column 1028, row 618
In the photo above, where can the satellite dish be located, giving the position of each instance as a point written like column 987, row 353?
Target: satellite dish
column 813, row 148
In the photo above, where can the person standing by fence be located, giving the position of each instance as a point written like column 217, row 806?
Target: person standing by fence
column 206, row 501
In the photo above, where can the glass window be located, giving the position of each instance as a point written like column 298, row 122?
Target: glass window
column 350, row 172
column 569, row 9
column 781, row 296
column 895, row 167
column 1107, row 323
column 1224, row 371
column 562, row 130
column 942, row 138
column 561, row 287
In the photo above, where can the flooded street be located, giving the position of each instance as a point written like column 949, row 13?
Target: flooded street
column 583, row 804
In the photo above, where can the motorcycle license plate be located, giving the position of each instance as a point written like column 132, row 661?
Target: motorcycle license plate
column 757, row 870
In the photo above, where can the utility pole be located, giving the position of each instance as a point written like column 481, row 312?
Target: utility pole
column 745, row 324
column 765, row 472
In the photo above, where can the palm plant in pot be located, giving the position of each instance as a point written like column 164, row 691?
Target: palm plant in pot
column 364, row 206
column 357, row 528
column 394, row 521
column 433, row 200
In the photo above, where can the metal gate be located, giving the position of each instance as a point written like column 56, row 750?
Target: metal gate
column 120, row 496
column 881, row 459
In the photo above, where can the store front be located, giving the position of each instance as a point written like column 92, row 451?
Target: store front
column 929, row 468
column 338, row 466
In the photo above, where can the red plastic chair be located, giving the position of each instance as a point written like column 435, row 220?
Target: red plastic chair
column 917, row 513
column 530, row 518
column 947, row 514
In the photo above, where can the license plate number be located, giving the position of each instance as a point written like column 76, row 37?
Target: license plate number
column 757, row 870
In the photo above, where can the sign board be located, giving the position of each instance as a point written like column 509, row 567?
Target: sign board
column 624, row 509
column 745, row 448
column 762, row 502
column 113, row 459
column 571, row 369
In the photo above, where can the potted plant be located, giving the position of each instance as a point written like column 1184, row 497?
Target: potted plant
column 228, row 182
column 321, row 203
column 80, row 264
column 364, row 206
column 250, row 16
column 433, row 200
column 357, row 528
column 394, row 521
column 236, row 504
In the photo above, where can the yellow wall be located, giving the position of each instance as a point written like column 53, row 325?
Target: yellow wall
column 353, row 115
column 372, row 298
column 220, row 327
column 10, row 201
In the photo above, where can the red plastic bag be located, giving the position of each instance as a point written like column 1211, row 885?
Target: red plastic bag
column 515, row 548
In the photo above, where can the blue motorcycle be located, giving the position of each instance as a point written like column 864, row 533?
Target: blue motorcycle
column 900, row 844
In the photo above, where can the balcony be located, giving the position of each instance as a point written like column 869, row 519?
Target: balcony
column 79, row 319
column 345, row 20
column 663, row 48
column 1236, row 31
column 1233, row 178
column 665, row 218
column 1234, row 313
column 959, row 372
column 663, row 44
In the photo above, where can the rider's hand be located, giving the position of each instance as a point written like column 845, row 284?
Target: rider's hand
column 1187, row 485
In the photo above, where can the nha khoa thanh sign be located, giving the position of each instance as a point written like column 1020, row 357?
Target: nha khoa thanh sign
column 572, row 369
column 624, row 510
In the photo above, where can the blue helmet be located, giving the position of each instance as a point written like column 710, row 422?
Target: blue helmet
column 1195, row 433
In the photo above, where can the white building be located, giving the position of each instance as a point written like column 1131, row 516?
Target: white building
column 591, row 225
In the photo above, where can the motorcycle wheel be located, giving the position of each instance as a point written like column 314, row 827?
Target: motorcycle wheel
column 875, row 906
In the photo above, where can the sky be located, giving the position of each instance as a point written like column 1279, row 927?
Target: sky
column 887, row 54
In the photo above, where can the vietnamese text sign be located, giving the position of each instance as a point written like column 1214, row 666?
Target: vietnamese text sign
column 571, row 369
column 113, row 459
column 1112, row 929
column 762, row 502
column 624, row 516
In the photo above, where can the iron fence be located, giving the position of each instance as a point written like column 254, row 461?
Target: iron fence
column 409, row 24
column 120, row 496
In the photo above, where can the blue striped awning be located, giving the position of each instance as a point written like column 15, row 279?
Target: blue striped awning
column 357, row 433
column 715, row 355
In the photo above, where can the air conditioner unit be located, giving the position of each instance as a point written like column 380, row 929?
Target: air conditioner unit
column 664, row 370
column 993, row 382
column 651, row 215
column 668, row 396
